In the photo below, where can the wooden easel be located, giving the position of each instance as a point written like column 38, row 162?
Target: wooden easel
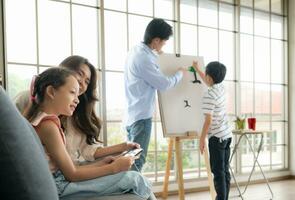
column 177, row 141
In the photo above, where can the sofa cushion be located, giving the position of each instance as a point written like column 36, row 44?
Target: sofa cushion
column 24, row 171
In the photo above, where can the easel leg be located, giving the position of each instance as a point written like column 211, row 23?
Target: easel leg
column 168, row 164
column 179, row 168
column 209, row 174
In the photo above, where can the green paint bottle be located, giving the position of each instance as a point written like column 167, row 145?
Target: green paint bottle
column 191, row 69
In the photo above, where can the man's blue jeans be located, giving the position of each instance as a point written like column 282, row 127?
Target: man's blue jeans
column 140, row 132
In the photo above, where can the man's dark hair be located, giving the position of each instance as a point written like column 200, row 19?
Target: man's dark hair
column 216, row 71
column 157, row 28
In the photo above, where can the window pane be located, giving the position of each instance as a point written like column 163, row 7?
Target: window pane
column 190, row 162
column 137, row 26
column 248, row 3
column 162, row 143
column 277, row 61
column 246, row 21
column 278, row 157
column 188, row 11
column 247, row 158
column 149, row 166
column 161, row 161
column 226, row 17
column 188, row 39
column 262, row 101
column 164, row 9
column 227, row 53
column 143, row 7
column 261, row 22
column 115, row 44
column 261, row 5
column 19, row 78
column 115, row 4
column 229, row 1
column 276, row 6
column 115, row 99
column 277, row 23
column 85, row 35
column 42, row 69
column 247, row 95
column 262, row 60
column 169, row 47
column 230, row 97
column 21, row 31
column 264, row 156
column 277, row 104
column 278, row 135
column 54, row 32
column 208, row 38
column 116, row 133
column 157, row 111
column 246, row 57
column 208, row 13
column 87, row 2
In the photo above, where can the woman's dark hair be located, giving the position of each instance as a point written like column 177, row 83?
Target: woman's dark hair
column 55, row 77
column 157, row 28
column 216, row 71
column 84, row 117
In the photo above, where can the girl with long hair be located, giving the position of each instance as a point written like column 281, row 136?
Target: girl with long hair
column 55, row 93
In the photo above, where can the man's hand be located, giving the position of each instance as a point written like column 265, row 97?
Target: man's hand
column 183, row 70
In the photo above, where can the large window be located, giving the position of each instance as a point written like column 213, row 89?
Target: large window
column 249, row 38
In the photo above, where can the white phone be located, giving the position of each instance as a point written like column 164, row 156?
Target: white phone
column 133, row 152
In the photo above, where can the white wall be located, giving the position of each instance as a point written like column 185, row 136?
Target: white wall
column 291, row 35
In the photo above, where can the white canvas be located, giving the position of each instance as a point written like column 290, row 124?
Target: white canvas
column 179, row 117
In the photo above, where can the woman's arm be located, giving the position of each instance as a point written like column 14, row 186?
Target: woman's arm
column 114, row 149
column 52, row 140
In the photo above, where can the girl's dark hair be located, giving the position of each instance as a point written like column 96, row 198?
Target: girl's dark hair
column 216, row 71
column 55, row 77
column 84, row 118
column 157, row 28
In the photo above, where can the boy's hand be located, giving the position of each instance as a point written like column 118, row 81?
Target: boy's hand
column 202, row 144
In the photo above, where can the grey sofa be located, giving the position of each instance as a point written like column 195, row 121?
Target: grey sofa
column 24, row 172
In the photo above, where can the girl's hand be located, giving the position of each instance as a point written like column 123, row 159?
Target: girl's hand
column 108, row 159
column 122, row 164
column 132, row 145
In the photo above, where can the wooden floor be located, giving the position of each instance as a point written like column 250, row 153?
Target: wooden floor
column 283, row 190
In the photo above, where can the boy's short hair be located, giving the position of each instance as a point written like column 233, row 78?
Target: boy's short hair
column 216, row 71
column 157, row 28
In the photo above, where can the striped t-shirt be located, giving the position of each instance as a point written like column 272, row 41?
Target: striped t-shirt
column 214, row 103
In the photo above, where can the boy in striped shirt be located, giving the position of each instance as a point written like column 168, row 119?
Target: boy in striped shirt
column 216, row 126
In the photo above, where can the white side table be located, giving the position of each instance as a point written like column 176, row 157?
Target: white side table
column 242, row 134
